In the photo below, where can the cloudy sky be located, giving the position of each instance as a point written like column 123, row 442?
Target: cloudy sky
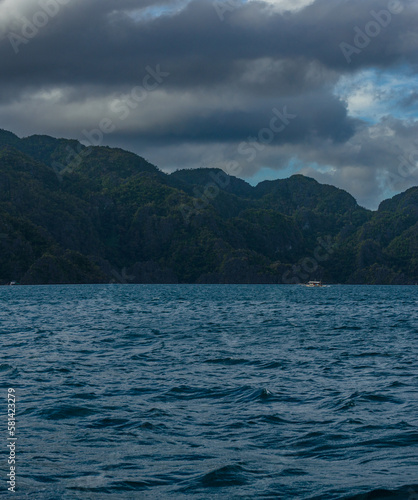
column 327, row 88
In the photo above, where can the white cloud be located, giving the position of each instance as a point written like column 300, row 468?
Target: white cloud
column 371, row 94
column 289, row 5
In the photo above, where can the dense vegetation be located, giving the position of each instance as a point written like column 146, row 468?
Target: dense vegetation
column 71, row 214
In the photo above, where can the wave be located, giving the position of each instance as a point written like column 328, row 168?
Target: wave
column 408, row 492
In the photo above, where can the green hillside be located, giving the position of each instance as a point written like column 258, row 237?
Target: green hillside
column 71, row 214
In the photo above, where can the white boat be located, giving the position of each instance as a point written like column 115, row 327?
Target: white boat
column 314, row 284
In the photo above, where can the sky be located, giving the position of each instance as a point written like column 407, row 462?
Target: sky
column 261, row 89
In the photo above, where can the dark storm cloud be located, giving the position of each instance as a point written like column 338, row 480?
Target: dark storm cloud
column 97, row 45
column 310, row 117
column 223, row 78
column 98, row 42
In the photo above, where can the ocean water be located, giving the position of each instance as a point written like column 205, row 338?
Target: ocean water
column 197, row 392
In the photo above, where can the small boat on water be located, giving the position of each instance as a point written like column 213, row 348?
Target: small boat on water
column 314, row 284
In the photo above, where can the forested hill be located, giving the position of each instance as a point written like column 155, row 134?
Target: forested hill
column 72, row 214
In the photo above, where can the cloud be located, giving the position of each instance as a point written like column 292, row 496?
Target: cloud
column 222, row 81
column 289, row 5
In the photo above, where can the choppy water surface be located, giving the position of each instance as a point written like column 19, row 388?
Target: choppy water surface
column 142, row 391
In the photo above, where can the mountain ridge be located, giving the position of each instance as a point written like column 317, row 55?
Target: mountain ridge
column 76, row 214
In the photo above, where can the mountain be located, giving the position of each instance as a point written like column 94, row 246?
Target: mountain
column 76, row 214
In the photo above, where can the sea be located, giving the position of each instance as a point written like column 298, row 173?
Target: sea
column 210, row 391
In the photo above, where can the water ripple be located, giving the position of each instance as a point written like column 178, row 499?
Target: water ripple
column 185, row 391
